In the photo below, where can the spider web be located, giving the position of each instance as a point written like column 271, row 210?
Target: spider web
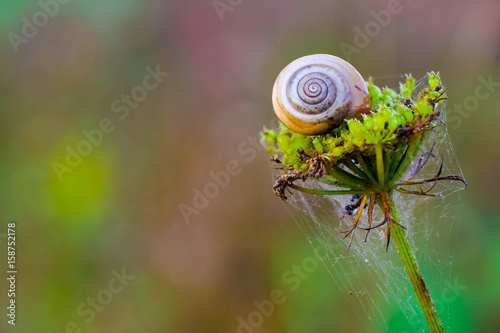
column 374, row 281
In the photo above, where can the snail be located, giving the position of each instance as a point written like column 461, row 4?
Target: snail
column 315, row 93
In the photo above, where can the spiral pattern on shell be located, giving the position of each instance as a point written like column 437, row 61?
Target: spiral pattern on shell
column 313, row 94
column 316, row 92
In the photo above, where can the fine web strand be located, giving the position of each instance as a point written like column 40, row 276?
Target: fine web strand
column 374, row 281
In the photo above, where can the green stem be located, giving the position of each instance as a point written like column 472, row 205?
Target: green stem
column 365, row 168
column 351, row 166
column 396, row 159
column 387, row 164
column 411, row 153
column 411, row 267
column 380, row 164
column 346, row 177
column 324, row 192
column 329, row 180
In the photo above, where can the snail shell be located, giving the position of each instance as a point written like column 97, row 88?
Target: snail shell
column 313, row 94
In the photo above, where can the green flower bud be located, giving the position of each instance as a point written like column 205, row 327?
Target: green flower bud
column 433, row 80
column 338, row 152
column 410, row 83
column 270, row 136
column 355, row 127
column 379, row 122
column 270, row 150
column 292, row 158
column 391, row 93
column 300, row 143
column 283, row 141
column 408, row 115
column 393, row 123
column 404, row 90
column 349, row 147
column 318, row 146
column 375, row 94
column 368, row 122
column 423, row 107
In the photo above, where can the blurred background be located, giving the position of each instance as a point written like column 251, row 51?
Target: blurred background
column 130, row 158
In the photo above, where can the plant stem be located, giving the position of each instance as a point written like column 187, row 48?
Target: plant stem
column 347, row 178
column 324, row 192
column 396, row 159
column 365, row 168
column 351, row 166
column 411, row 267
column 410, row 154
column 380, row 164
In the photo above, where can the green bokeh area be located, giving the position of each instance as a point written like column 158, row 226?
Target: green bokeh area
column 104, row 242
